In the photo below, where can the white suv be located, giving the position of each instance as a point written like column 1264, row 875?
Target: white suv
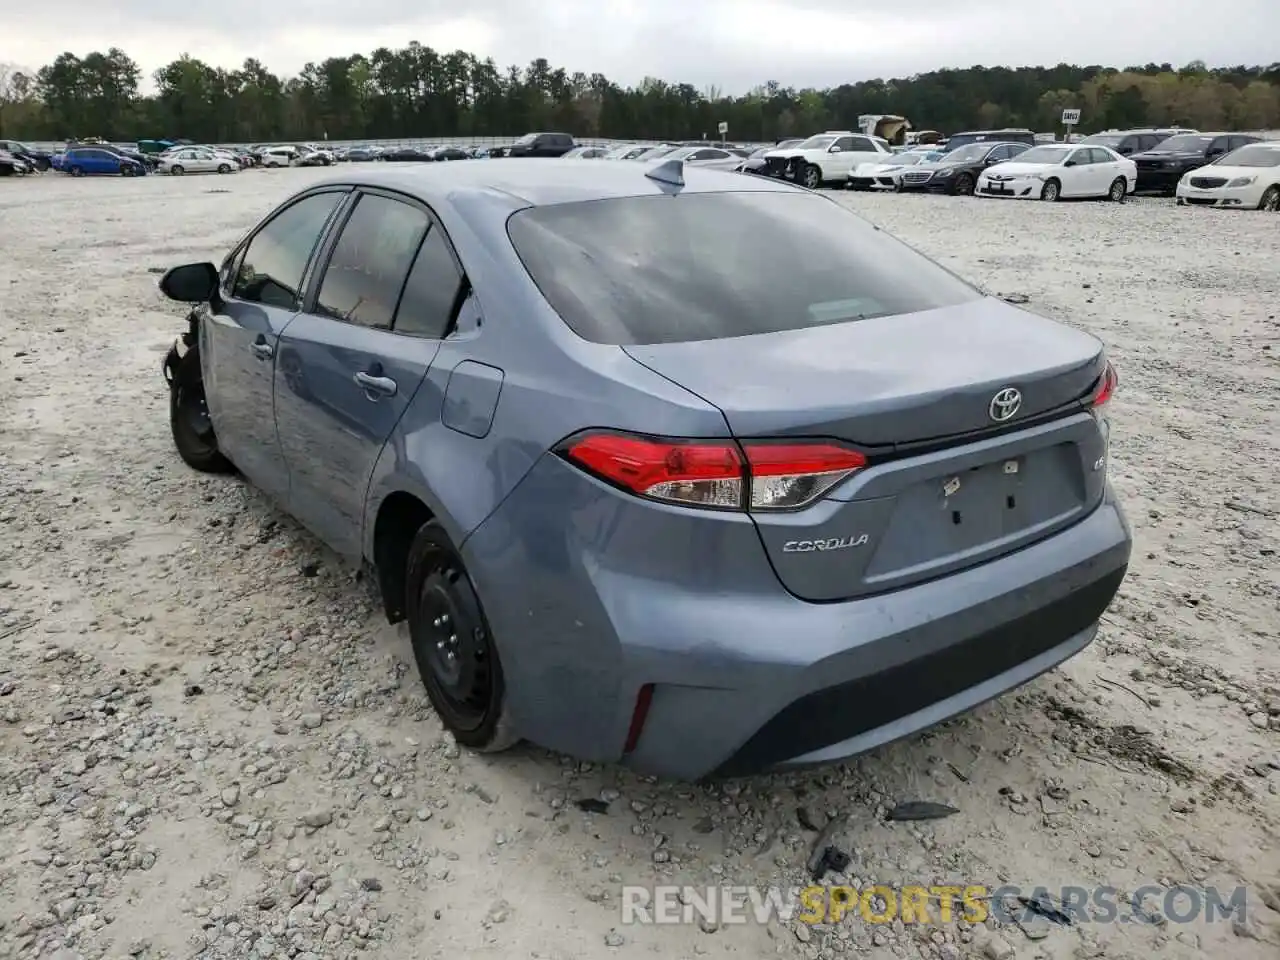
column 826, row 157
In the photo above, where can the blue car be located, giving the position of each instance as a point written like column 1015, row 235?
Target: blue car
column 87, row 161
column 645, row 487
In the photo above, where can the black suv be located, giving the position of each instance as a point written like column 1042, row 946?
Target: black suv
column 1129, row 142
column 958, row 171
column 541, row 145
column 1011, row 135
column 1160, row 168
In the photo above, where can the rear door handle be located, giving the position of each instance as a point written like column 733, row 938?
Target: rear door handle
column 371, row 384
column 262, row 350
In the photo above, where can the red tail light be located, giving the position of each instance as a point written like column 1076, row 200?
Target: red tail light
column 1106, row 387
column 720, row 474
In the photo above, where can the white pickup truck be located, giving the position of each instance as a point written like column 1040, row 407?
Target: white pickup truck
column 826, row 158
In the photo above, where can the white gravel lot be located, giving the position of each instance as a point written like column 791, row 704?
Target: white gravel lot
column 212, row 745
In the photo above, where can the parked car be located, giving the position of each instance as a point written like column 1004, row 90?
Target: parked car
column 482, row 384
column 713, row 157
column 755, row 162
column 825, row 158
column 1007, row 135
column 12, row 165
column 657, row 152
column 36, row 160
column 407, row 154
column 1246, row 178
column 957, row 171
column 585, row 153
column 196, row 160
column 542, row 145
column 626, row 152
column 886, row 175
column 1128, row 142
column 1061, row 172
column 281, row 156
column 1161, row 167
column 363, row 154
column 82, row 161
column 449, row 153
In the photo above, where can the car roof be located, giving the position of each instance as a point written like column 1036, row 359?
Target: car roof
column 539, row 183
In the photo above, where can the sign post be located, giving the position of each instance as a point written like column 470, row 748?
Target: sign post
column 1069, row 119
column 724, row 129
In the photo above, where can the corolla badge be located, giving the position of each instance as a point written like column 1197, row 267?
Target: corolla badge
column 1005, row 404
column 832, row 543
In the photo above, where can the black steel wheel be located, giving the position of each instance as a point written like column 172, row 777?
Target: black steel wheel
column 189, row 418
column 454, row 649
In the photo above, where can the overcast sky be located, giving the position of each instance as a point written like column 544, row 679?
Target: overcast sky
column 731, row 44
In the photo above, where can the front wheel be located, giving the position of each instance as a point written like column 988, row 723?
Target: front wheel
column 812, row 176
column 126, row 171
column 1119, row 187
column 1270, row 201
column 224, row 168
column 456, row 656
column 177, row 170
column 1051, row 191
column 76, row 171
column 189, row 418
column 963, row 186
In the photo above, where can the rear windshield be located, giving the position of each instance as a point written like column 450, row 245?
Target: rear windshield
column 667, row 269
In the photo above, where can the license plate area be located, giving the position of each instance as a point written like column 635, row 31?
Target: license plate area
column 954, row 518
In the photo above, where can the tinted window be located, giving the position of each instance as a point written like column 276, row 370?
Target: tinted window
column 704, row 266
column 1253, row 155
column 370, row 261
column 1003, row 152
column 862, row 145
column 272, row 268
column 432, row 291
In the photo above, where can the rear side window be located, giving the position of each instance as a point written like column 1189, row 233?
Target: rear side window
column 276, row 258
column 667, row 269
column 432, row 291
column 370, row 261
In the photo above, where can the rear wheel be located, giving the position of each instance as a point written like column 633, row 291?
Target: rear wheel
column 812, row 176
column 1119, row 187
column 224, row 168
column 1051, row 191
column 1270, row 201
column 126, row 170
column 454, row 650
column 189, row 419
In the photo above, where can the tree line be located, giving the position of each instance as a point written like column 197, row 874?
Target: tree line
column 419, row 92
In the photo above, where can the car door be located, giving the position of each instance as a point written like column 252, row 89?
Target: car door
column 1108, row 166
column 98, row 161
column 239, row 338
column 350, row 365
column 1077, row 173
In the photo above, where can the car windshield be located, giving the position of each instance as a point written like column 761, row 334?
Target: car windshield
column 819, row 142
column 1254, row 155
column 757, row 154
column 1183, row 142
column 669, row 269
column 974, row 151
column 527, row 138
column 1105, row 139
column 654, row 152
column 684, row 153
column 1052, row 155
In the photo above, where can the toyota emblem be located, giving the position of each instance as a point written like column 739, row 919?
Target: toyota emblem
column 1005, row 404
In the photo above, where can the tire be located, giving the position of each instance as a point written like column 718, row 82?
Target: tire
column 812, row 176
column 189, row 419
column 963, row 186
column 76, row 171
column 1119, row 189
column 457, row 659
column 42, row 165
column 126, row 170
column 224, row 168
column 1270, row 201
column 177, row 170
column 1051, row 191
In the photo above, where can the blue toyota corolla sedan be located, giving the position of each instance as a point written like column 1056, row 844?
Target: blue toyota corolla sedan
column 698, row 472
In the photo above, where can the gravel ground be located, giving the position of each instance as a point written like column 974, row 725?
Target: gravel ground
column 211, row 744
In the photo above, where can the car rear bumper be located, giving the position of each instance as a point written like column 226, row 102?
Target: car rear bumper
column 594, row 595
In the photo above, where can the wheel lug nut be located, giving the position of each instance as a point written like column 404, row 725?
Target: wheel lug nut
column 437, row 622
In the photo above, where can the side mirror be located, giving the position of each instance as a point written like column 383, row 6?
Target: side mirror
column 834, row 148
column 1068, row 163
column 1125, row 150
column 190, row 283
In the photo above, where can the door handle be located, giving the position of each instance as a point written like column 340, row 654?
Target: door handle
column 262, row 350
column 371, row 384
